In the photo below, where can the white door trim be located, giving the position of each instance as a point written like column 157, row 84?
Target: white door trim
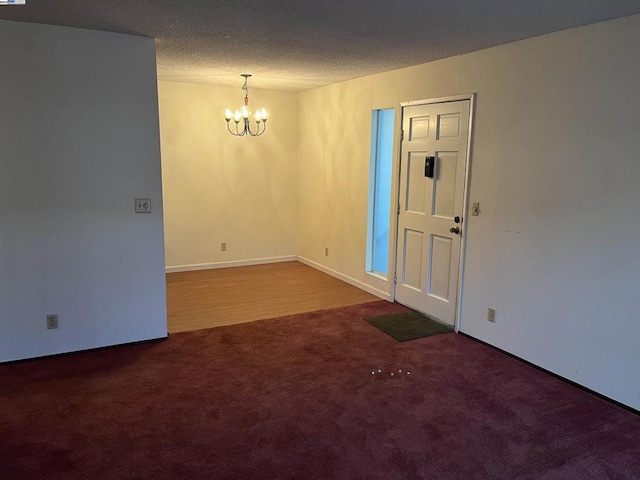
column 453, row 98
column 465, row 197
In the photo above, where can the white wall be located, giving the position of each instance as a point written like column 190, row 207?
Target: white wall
column 79, row 141
column 219, row 188
column 555, row 170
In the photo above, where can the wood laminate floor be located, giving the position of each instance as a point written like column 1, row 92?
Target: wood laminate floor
column 227, row 296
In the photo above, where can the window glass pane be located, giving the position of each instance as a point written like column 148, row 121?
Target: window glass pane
column 382, row 156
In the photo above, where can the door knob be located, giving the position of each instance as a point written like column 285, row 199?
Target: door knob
column 456, row 219
column 455, row 230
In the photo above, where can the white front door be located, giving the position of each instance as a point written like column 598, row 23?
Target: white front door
column 431, row 207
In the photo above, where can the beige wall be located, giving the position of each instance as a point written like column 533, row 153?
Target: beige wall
column 219, row 188
column 333, row 177
column 555, row 169
column 333, row 165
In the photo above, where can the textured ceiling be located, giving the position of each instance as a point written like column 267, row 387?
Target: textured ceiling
column 297, row 44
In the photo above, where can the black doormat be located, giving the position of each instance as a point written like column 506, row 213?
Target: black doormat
column 408, row 326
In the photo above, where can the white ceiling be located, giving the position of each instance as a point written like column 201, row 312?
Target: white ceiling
column 298, row 44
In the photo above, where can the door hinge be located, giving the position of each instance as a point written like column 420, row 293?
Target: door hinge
column 401, row 135
column 395, row 278
column 398, row 209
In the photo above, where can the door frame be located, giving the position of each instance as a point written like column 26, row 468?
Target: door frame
column 471, row 97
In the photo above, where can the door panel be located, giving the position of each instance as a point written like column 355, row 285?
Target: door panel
column 439, row 267
column 444, row 191
column 428, row 253
column 419, row 128
column 413, row 246
column 416, row 187
column 449, row 125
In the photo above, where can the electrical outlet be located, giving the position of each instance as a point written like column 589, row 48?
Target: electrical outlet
column 223, row 247
column 491, row 314
column 52, row 321
column 326, row 251
column 143, row 205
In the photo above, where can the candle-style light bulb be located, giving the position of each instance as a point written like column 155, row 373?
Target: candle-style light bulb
column 246, row 113
column 237, row 116
column 258, row 116
column 265, row 114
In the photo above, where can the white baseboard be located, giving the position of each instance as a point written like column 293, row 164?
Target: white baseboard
column 346, row 278
column 236, row 263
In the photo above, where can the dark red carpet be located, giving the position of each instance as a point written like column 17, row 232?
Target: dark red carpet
column 294, row 398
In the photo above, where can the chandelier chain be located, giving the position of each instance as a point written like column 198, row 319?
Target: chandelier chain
column 245, row 88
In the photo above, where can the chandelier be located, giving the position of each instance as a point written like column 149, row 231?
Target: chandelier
column 242, row 116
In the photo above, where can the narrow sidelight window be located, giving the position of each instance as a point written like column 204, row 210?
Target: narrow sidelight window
column 380, row 191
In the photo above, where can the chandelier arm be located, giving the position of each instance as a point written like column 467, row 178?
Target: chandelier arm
column 247, row 126
column 231, row 131
column 238, row 132
column 258, row 132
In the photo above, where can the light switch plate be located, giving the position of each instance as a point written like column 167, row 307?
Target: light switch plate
column 143, row 205
column 475, row 209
